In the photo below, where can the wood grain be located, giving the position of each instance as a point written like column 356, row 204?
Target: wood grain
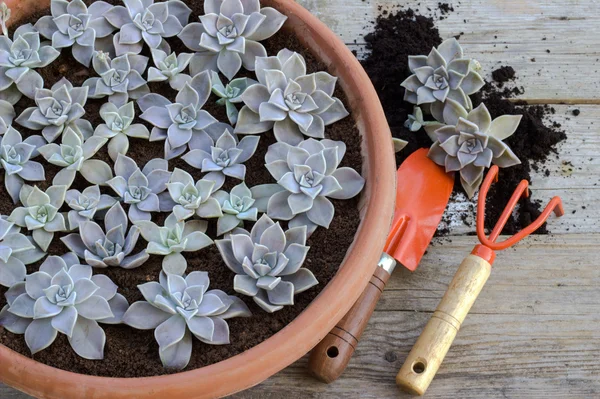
column 535, row 329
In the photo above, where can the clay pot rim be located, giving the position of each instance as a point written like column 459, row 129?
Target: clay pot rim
column 292, row 342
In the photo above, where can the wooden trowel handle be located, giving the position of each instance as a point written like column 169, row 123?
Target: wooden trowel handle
column 329, row 358
column 429, row 351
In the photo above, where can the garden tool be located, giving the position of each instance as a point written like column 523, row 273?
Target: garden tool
column 429, row 351
column 422, row 192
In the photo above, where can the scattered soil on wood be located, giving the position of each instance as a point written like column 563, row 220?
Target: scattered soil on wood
column 401, row 33
column 134, row 353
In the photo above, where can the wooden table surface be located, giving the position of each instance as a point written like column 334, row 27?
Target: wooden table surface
column 535, row 329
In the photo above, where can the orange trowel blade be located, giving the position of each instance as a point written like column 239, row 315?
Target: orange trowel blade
column 422, row 192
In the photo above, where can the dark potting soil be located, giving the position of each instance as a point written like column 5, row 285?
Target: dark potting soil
column 134, row 353
column 401, row 33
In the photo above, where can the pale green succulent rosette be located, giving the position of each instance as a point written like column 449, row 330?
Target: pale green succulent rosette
column 86, row 205
column 238, row 206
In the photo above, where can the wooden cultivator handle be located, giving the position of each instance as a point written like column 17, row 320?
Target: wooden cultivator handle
column 429, row 351
column 331, row 356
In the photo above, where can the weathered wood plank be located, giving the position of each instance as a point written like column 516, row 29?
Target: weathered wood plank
column 501, row 31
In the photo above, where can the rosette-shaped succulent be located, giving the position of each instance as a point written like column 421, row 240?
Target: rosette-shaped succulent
column 288, row 100
column 230, row 94
column 86, row 205
column 177, row 123
column 118, row 127
column 39, row 213
column 145, row 21
column 73, row 156
column 443, row 74
column 471, row 142
column 113, row 248
column 188, row 198
column 74, row 25
column 18, row 60
column 228, row 34
column 120, row 78
column 177, row 308
column 15, row 159
column 268, row 263
column 174, row 238
column 307, row 176
column 224, row 157
column 237, row 206
column 140, row 188
column 56, row 109
column 63, row 297
column 16, row 251
column 169, row 68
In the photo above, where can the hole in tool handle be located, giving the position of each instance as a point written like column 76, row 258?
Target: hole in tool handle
column 419, row 366
column 333, row 352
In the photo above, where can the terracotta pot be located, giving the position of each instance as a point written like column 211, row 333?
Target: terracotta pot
column 296, row 339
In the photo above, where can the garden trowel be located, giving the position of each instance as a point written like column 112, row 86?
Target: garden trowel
column 422, row 192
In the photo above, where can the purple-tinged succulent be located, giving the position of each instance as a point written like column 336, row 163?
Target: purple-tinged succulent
column 119, row 127
column 140, row 188
column 63, row 297
column 177, row 308
column 268, row 263
column 289, row 101
column 15, row 159
column 145, row 21
column 174, row 238
column 177, row 123
column 86, row 205
column 18, row 59
column 472, row 141
column 307, row 176
column 120, row 78
column 228, row 35
column 39, row 213
column 225, row 157
column 107, row 249
column 75, row 25
column 73, row 155
column 16, row 251
column 237, row 206
column 57, row 109
column 443, row 74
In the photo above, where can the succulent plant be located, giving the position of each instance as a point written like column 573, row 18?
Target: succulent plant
column 113, row 248
column 119, row 127
column 140, row 188
column 169, row 67
column 74, row 25
column 86, row 205
column 15, row 159
column 268, row 263
column 145, row 21
column 306, row 175
column 16, row 251
column 56, row 109
column 120, row 78
column 19, row 58
column 177, row 308
column 228, row 34
column 188, row 198
column 224, row 157
column 238, row 206
column 73, row 156
column 471, row 142
column 416, row 121
column 4, row 17
column 177, row 123
column 7, row 115
column 288, row 100
column 39, row 213
column 172, row 239
column 443, row 74
column 230, row 94
column 63, row 297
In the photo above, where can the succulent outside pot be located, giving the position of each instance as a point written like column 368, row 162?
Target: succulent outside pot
column 296, row 339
